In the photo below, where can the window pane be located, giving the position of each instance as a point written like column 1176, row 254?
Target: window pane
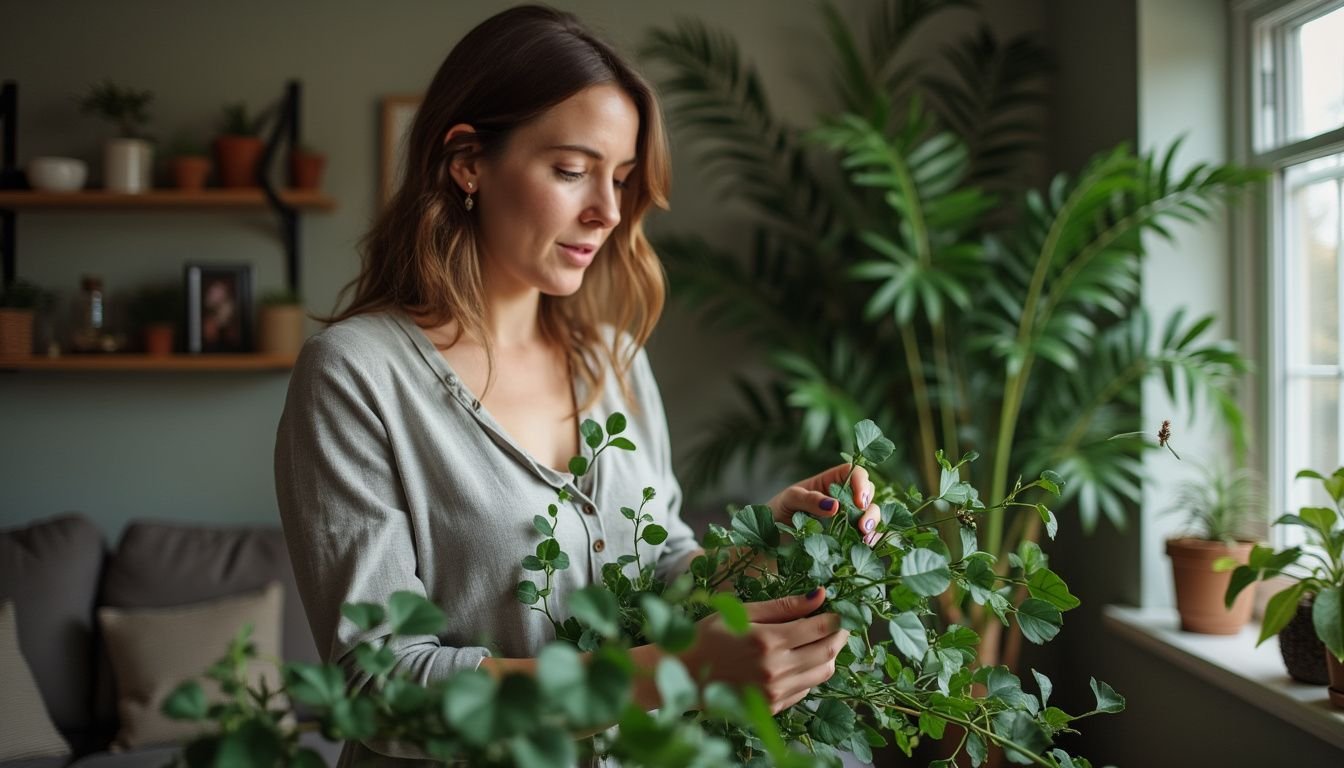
column 1313, row 437
column 1320, row 67
column 1312, row 301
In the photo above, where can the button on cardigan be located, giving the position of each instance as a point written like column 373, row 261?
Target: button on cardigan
column 390, row 476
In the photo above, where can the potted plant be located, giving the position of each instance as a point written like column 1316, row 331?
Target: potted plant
column 155, row 312
column 1218, row 506
column 19, row 302
column 190, row 166
column 280, row 323
column 238, row 147
column 128, row 158
column 305, row 167
column 1315, row 568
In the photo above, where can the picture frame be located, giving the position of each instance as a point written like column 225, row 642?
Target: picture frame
column 396, row 113
column 219, row 308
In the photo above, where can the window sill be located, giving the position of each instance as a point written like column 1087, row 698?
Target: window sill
column 1234, row 664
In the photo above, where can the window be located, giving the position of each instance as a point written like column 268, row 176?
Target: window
column 1297, row 114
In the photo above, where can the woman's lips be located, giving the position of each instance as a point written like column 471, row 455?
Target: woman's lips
column 578, row 255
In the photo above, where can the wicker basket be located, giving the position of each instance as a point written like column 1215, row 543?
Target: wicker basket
column 1303, row 652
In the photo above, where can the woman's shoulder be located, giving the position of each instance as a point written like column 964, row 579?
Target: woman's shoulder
column 357, row 342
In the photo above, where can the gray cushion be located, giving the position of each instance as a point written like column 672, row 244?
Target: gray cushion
column 162, row 565
column 50, row 570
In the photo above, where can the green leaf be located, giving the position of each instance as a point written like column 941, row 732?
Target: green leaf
column 931, row 724
column 731, row 610
column 533, row 563
column 925, row 572
column 1320, row 518
column 596, row 607
column 527, row 593
column 756, row 523
column 578, row 466
column 866, row 563
column 376, row 662
column 412, row 614
column 865, row 432
column 186, row 702
column 1005, row 686
column 1048, row 586
column 469, row 706
column 654, row 534
column 623, row 444
column 975, row 748
column 307, row 758
column 1045, row 685
column 666, row 625
column 909, row 635
column 675, row 687
column 616, row 423
column 317, row 685
column 366, row 616
column 628, row 513
column 1029, row 557
column 1040, row 621
column 852, row 617
column 543, row 525
column 1279, row 611
column 1021, row 729
column 1052, row 477
column 592, row 433
column 1327, row 615
column 1048, row 517
column 252, row 744
column 545, row 746
column 353, row 718
column 547, row 550
column 832, row 723
column 1242, row 577
column 1107, row 699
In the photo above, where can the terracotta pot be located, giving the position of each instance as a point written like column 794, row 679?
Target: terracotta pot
column 1200, row 590
column 16, row 332
column 1336, row 668
column 237, row 158
column 306, row 168
column 280, row 329
column 159, row 339
column 1303, row 652
column 190, row 172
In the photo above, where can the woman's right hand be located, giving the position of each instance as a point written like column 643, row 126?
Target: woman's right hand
column 785, row 653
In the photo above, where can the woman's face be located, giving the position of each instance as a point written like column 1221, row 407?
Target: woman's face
column 550, row 199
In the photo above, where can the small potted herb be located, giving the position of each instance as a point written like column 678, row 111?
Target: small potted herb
column 1315, row 568
column 128, row 158
column 306, row 166
column 155, row 312
column 19, row 302
column 239, row 146
column 280, row 323
column 1218, row 507
column 190, row 165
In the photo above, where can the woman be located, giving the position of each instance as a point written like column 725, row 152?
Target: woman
column 505, row 295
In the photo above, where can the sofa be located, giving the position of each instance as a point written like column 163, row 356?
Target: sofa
column 72, row 603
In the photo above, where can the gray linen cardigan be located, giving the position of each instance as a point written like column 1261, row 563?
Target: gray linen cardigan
column 391, row 476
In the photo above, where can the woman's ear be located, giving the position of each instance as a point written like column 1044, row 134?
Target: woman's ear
column 464, row 165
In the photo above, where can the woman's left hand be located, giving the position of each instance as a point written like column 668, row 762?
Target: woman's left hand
column 810, row 496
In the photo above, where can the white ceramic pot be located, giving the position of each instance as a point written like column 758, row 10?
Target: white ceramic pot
column 128, row 165
column 57, row 174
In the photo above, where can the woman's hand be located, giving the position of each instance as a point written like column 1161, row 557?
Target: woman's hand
column 785, row 653
column 810, row 496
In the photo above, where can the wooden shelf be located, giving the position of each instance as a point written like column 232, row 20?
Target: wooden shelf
column 165, row 199
column 132, row 362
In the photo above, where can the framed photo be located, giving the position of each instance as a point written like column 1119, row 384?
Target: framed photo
column 219, row 308
column 397, row 114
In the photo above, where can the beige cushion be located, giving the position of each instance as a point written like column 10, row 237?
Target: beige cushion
column 153, row 650
column 25, row 728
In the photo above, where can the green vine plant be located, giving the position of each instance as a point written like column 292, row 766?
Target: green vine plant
column 897, row 680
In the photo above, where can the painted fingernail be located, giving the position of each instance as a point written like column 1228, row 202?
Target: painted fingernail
column 869, row 524
column 827, row 505
column 813, row 594
column 867, row 498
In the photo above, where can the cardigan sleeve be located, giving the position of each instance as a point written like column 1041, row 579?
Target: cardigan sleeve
column 343, row 510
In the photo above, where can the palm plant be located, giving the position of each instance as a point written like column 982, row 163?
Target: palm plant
column 890, row 277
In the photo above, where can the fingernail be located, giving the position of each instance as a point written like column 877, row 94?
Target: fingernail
column 867, row 497
column 827, row 505
column 868, row 525
column 870, row 539
column 813, row 594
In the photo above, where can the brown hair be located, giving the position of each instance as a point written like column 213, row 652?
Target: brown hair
column 422, row 254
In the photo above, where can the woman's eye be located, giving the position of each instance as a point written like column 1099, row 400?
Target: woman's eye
column 568, row 175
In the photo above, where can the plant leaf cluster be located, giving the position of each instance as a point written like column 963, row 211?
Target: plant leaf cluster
column 1316, row 568
column 898, row 681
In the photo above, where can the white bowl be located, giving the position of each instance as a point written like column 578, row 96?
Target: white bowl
column 57, row 174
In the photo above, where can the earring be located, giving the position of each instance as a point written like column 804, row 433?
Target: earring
column 470, row 202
